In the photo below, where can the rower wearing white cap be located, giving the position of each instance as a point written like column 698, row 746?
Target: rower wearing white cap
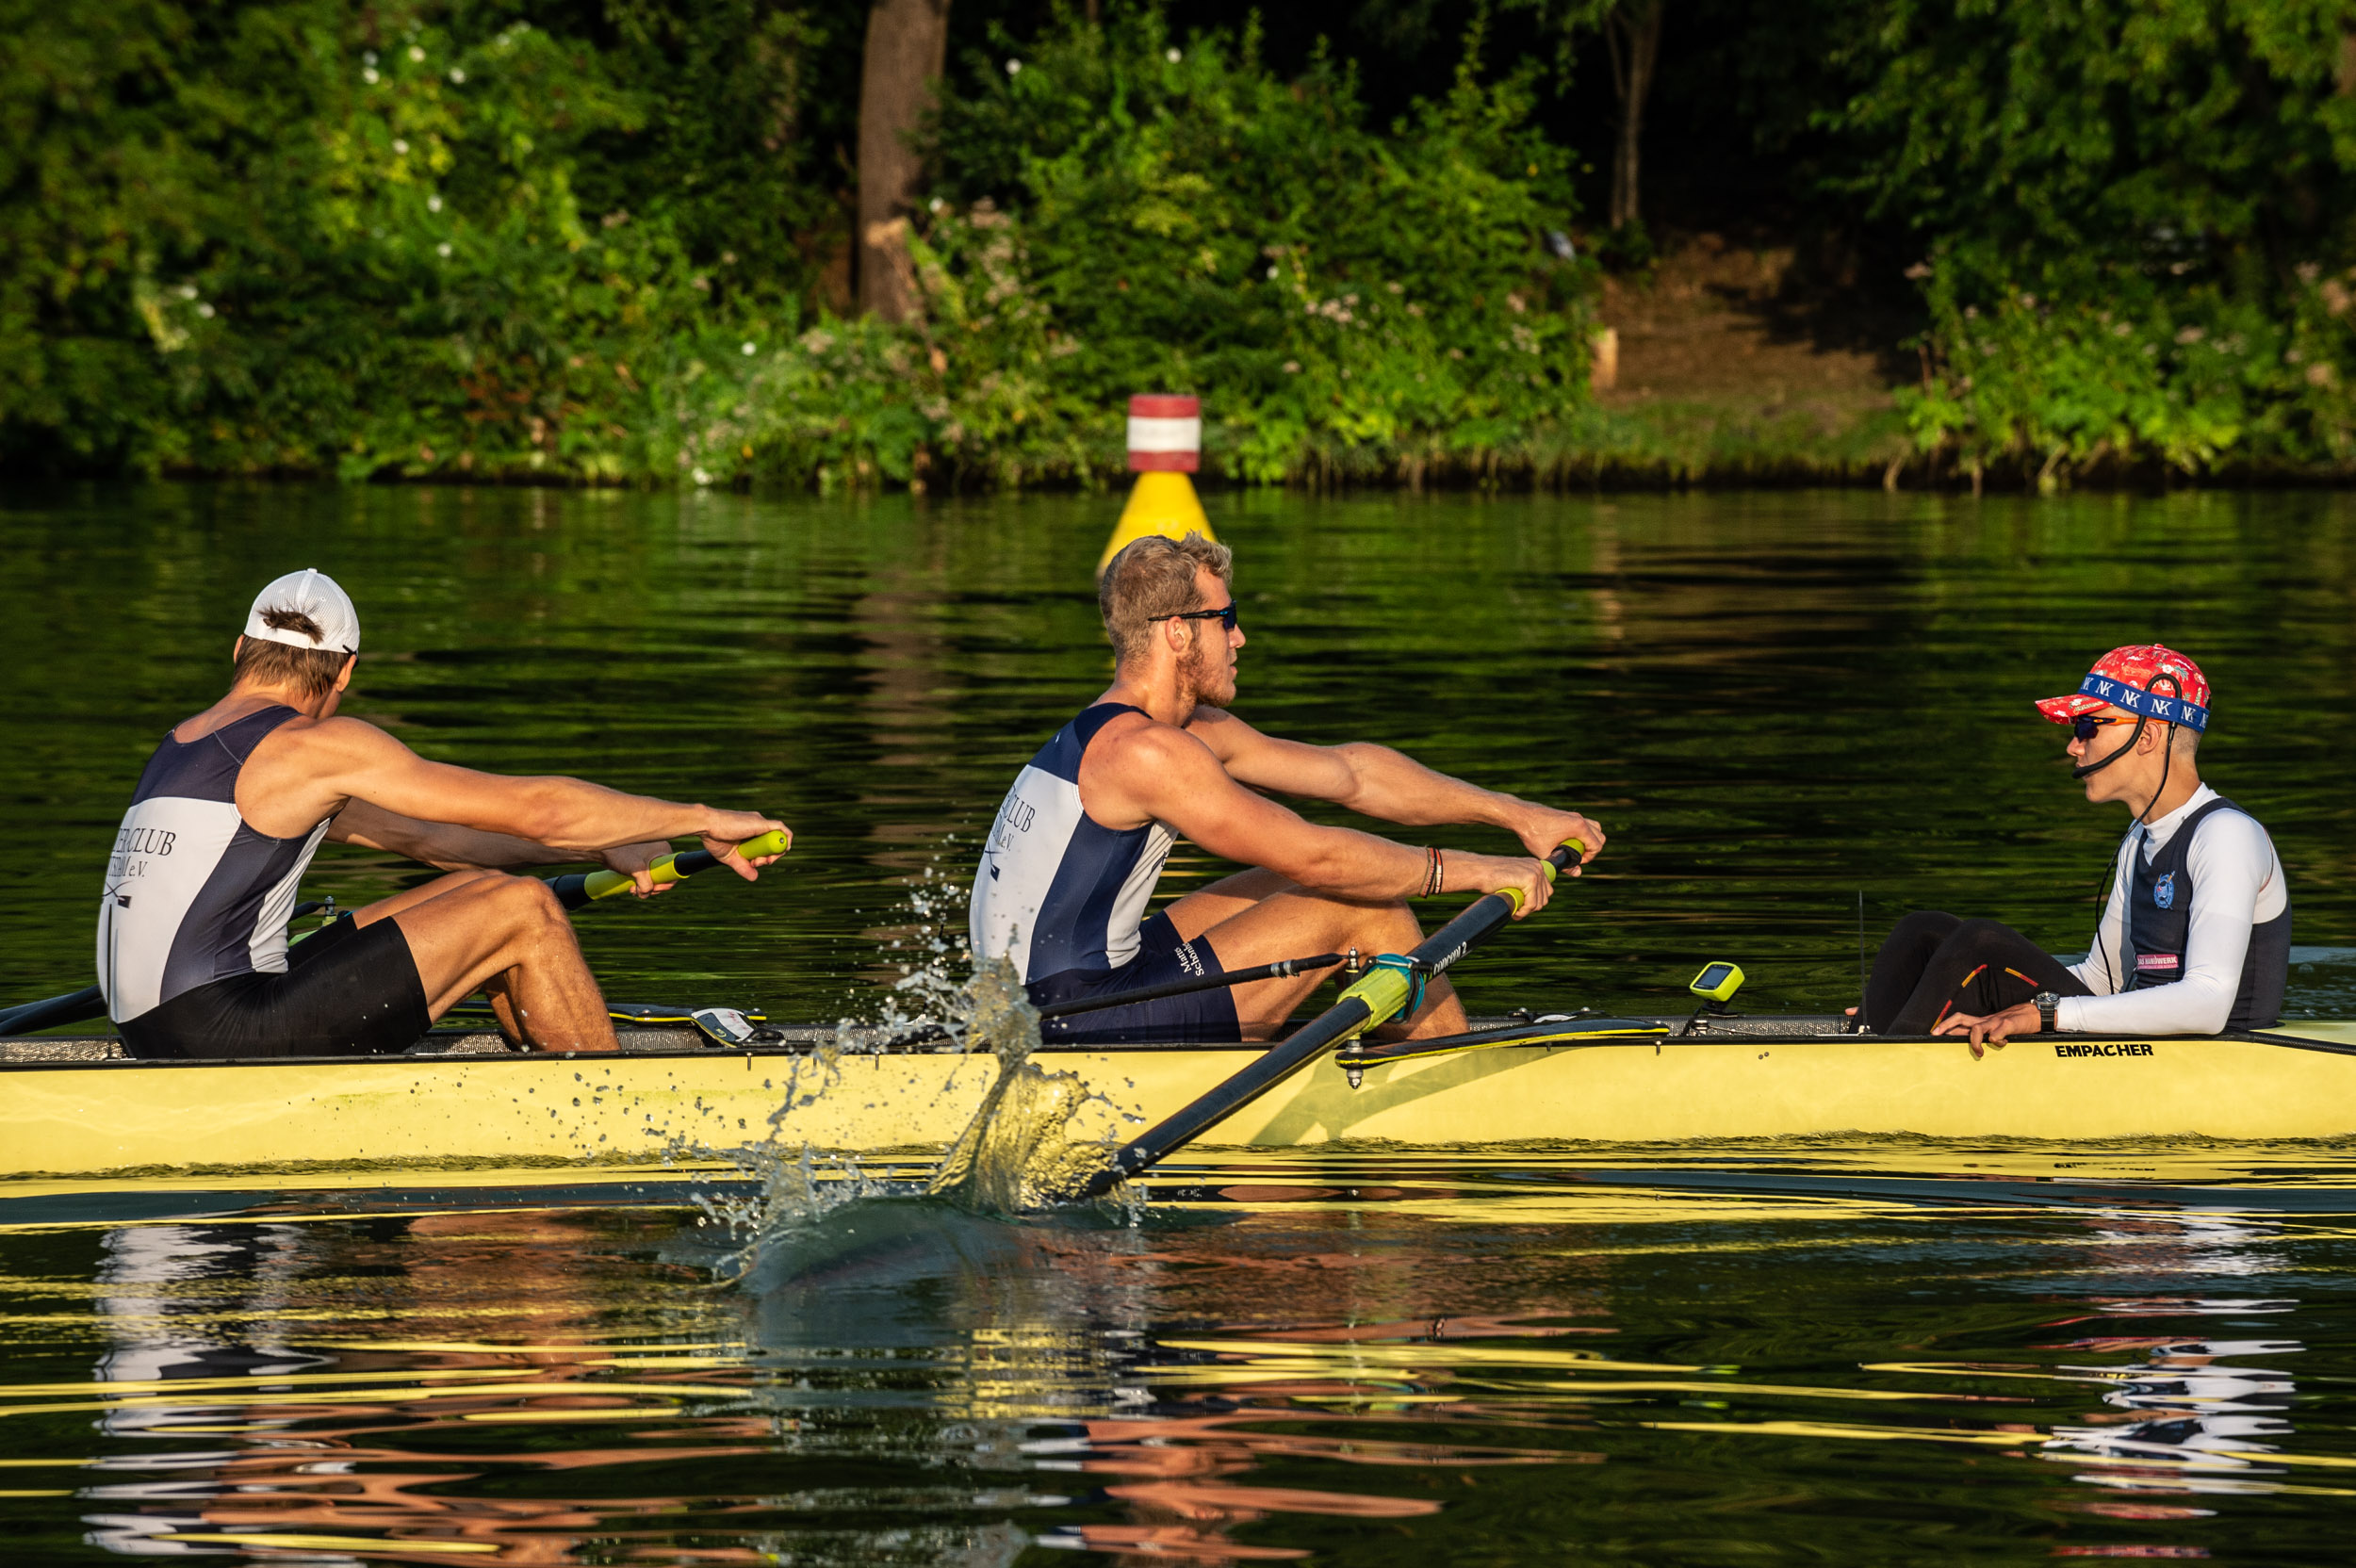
column 192, row 951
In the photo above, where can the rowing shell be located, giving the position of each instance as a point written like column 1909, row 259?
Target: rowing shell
column 75, row 1108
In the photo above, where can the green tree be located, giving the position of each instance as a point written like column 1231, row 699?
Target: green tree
column 2137, row 217
column 1174, row 216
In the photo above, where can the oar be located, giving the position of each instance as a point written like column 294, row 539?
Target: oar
column 572, row 890
column 584, row 887
column 1377, row 996
column 1283, row 969
column 73, row 1008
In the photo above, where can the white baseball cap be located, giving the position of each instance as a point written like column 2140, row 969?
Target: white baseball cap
column 315, row 594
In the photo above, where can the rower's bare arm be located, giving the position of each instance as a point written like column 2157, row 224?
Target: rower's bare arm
column 357, row 761
column 1376, row 781
column 448, row 847
column 1171, row 777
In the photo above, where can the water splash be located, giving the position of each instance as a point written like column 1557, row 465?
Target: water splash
column 1013, row 1155
column 793, row 1189
column 933, row 953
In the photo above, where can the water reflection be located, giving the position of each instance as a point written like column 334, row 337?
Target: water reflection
column 318, row 1435
column 2188, row 1417
column 1317, row 1365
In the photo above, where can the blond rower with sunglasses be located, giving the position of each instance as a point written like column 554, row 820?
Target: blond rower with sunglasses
column 2196, row 935
column 1079, row 842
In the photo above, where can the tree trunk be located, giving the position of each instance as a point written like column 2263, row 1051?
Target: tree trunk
column 1632, row 29
column 908, row 42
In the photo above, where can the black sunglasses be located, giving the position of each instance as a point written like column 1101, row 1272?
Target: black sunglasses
column 1224, row 615
column 2086, row 725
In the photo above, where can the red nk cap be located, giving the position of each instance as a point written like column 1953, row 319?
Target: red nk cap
column 2148, row 679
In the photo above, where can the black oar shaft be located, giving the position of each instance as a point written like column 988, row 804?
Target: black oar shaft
column 73, row 1007
column 1346, row 1017
column 1273, row 1068
column 1283, row 969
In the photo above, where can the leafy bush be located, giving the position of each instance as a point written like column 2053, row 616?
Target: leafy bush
column 1117, row 213
column 306, row 234
column 2131, row 205
column 1122, row 214
column 2192, row 378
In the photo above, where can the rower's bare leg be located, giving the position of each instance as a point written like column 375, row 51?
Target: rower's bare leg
column 503, row 1004
column 1257, row 916
column 473, row 931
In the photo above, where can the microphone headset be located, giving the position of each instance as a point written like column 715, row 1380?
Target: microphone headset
column 2167, row 758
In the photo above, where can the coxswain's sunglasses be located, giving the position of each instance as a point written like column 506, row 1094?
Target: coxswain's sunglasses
column 2086, row 725
column 1224, row 615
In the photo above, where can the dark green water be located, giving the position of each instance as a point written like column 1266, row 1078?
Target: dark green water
column 1358, row 1356
column 1773, row 702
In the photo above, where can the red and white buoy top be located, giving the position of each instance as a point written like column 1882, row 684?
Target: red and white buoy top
column 1165, row 435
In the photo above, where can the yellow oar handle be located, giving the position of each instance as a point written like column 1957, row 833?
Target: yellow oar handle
column 1554, row 864
column 673, row 868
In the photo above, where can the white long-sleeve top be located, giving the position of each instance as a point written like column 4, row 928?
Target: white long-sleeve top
column 2236, row 883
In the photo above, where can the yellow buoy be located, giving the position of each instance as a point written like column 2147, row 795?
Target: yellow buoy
column 1165, row 445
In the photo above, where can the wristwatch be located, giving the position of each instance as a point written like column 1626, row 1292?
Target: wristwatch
column 2046, row 1002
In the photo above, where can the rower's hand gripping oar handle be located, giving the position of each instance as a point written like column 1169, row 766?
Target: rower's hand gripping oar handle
column 1378, row 995
column 572, row 891
column 584, row 887
column 1394, row 984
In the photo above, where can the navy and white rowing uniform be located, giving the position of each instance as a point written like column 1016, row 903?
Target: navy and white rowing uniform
column 1056, row 891
column 194, row 894
column 1064, row 898
column 2195, row 937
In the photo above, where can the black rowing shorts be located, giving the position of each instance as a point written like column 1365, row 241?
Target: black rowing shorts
column 348, row 990
column 1199, row 1018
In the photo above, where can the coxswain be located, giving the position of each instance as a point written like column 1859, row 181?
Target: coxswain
column 192, row 949
column 2195, row 936
column 1074, row 856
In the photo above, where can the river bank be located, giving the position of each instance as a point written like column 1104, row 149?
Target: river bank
column 1729, row 365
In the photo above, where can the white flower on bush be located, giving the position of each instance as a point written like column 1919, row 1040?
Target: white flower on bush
column 748, row 348
column 457, row 77
column 700, row 477
column 1173, row 57
column 442, row 250
column 416, row 54
column 368, row 76
column 433, row 204
column 1014, row 68
column 400, row 146
column 205, row 310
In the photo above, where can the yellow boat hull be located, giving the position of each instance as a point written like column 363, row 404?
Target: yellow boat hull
column 94, row 1119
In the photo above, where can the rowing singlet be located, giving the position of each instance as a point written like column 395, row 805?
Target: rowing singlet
column 193, row 895
column 1054, row 891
